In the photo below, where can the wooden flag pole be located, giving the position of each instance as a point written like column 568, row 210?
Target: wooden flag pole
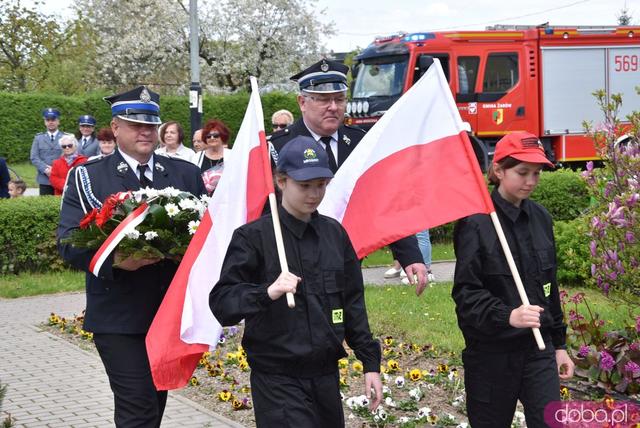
column 516, row 274
column 280, row 243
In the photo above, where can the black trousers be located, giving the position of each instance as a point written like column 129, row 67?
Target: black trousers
column 46, row 189
column 137, row 402
column 495, row 381
column 291, row 402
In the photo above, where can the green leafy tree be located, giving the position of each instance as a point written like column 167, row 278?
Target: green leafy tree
column 28, row 42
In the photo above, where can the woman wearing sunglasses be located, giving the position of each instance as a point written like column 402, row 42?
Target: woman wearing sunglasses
column 61, row 166
column 215, row 135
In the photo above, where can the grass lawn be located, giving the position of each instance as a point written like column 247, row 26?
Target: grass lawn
column 26, row 171
column 383, row 257
column 34, row 284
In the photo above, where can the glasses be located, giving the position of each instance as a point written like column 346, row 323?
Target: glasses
column 66, row 146
column 279, row 125
column 213, row 135
column 326, row 102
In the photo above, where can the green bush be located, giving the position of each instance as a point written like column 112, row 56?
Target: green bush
column 28, row 234
column 20, row 114
column 563, row 193
column 572, row 248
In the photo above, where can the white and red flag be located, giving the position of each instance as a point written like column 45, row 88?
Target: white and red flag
column 184, row 327
column 415, row 169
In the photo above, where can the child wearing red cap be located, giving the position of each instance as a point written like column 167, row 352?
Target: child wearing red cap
column 293, row 352
column 501, row 359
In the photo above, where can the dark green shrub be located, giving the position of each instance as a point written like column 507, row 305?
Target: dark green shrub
column 20, row 114
column 572, row 248
column 563, row 193
column 28, row 234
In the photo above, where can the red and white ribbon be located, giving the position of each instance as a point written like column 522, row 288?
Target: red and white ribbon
column 127, row 225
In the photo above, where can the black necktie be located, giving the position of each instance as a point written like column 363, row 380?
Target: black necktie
column 333, row 165
column 84, row 143
column 144, row 181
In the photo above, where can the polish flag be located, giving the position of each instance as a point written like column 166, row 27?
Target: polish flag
column 184, row 327
column 415, row 169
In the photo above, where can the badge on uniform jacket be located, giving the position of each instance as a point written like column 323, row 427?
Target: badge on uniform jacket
column 346, row 140
column 337, row 316
column 547, row 289
column 159, row 167
column 122, row 167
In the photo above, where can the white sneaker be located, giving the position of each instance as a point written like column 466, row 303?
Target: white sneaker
column 431, row 278
column 393, row 273
column 405, row 281
column 403, row 274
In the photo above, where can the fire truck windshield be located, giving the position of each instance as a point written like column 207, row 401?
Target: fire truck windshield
column 380, row 79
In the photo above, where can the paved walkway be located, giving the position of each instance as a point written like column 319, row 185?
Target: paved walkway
column 52, row 383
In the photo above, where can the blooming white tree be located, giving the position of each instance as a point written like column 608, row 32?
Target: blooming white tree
column 147, row 41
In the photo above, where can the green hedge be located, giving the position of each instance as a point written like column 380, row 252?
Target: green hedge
column 20, row 114
column 572, row 250
column 563, row 193
column 28, row 234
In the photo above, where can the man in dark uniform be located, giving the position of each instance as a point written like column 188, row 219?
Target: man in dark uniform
column 123, row 299
column 322, row 101
column 88, row 144
column 45, row 149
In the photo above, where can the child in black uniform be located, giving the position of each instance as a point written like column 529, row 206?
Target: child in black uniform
column 501, row 360
column 294, row 353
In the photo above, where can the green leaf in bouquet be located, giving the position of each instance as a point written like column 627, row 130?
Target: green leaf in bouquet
column 148, row 252
column 158, row 217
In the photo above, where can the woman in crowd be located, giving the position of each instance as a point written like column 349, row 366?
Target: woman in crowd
column 107, row 143
column 172, row 137
column 211, row 160
column 86, row 136
column 61, row 166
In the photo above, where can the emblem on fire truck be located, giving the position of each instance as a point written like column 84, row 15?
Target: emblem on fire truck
column 497, row 116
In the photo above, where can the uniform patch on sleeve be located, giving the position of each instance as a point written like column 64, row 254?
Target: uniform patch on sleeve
column 547, row 289
column 337, row 316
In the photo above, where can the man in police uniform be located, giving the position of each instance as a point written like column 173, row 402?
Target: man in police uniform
column 88, row 144
column 45, row 149
column 322, row 101
column 123, row 299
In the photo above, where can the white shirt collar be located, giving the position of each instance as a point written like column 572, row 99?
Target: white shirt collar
column 134, row 163
column 317, row 136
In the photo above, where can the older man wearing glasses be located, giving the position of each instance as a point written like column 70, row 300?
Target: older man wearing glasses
column 322, row 101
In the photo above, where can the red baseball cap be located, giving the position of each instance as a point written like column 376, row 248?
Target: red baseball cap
column 523, row 146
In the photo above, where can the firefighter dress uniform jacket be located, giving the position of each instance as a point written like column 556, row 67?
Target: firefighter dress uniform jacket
column 305, row 341
column 119, row 301
column 484, row 289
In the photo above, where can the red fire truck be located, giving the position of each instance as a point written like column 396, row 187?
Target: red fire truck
column 536, row 79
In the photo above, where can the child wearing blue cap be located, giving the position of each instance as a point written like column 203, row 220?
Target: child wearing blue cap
column 294, row 353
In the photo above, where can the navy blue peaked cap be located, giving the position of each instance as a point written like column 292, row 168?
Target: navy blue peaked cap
column 325, row 76
column 139, row 105
column 304, row 159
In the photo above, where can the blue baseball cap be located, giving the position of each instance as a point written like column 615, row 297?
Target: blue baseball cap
column 304, row 159
column 50, row 113
column 86, row 119
column 139, row 105
column 323, row 77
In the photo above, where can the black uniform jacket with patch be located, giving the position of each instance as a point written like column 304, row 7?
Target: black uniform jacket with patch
column 119, row 301
column 405, row 250
column 304, row 341
column 484, row 289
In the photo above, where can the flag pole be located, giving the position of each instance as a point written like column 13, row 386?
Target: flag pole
column 273, row 205
column 516, row 274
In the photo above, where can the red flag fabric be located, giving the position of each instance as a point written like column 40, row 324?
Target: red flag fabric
column 184, row 327
column 415, row 169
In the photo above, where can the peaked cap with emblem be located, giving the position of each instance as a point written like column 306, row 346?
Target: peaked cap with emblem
column 325, row 76
column 50, row 113
column 304, row 159
column 139, row 105
column 87, row 119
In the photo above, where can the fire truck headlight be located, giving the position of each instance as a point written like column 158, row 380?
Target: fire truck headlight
column 348, row 109
column 354, row 110
column 630, row 34
column 565, row 35
column 365, row 107
column 359, row 106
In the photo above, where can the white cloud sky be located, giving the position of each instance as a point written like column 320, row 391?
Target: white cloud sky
column 357, row 22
